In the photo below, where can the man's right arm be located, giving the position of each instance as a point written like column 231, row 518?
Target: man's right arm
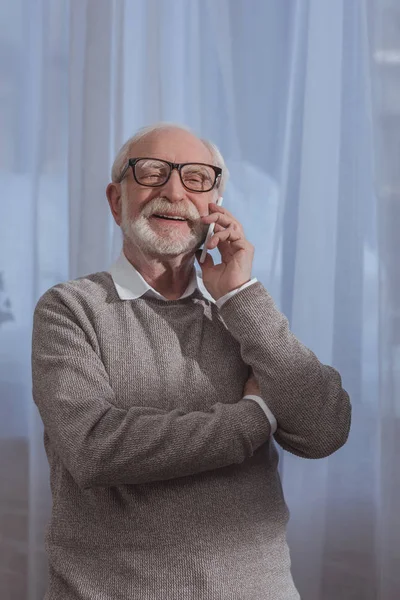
column 103, row 445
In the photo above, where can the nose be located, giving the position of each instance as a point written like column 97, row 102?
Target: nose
column 173, row 189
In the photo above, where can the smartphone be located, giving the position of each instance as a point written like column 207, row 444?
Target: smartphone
column 209, row 234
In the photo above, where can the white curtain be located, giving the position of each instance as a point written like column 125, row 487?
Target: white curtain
column 302, row 97
column 383, row 27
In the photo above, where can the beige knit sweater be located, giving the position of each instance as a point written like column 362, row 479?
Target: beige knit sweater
column 164, row 480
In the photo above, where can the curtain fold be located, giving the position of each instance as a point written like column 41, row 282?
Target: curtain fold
column 302, row 97
column 90, row 125
column 381, row 25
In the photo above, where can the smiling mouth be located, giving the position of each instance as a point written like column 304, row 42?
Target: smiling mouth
column 170, row 218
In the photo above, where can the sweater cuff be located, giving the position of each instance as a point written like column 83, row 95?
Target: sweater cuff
column 223, row 299
column 265, row 408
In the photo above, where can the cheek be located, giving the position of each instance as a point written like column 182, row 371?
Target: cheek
column 202, row 205
column 128, row 213
column 132, row 207
column 140, row 199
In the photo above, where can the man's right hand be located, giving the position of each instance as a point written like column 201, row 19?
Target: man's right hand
column 251, row 387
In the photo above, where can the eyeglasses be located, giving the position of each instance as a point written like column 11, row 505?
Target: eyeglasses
column 153, row 172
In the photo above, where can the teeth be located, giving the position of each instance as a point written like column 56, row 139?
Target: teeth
column 170, row 217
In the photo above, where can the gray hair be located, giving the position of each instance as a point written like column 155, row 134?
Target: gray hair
column 123, row 155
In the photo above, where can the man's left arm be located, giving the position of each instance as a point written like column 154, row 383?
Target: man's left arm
column 306, row 397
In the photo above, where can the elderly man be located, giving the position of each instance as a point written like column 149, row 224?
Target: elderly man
column 160, row 392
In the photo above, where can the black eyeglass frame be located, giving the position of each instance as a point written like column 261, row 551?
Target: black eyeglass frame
column 178, row 166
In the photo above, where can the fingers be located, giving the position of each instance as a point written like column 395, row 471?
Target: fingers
column 226, row 228
column 224, row 220
column 227, row 231
column 225, row 235
column 222, row 217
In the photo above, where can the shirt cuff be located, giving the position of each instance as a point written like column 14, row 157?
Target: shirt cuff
column 223, row 299
column 265, row 408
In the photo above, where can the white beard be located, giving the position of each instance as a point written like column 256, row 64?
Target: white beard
column 172, row 243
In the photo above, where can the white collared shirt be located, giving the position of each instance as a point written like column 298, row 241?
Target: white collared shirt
column 130, row 285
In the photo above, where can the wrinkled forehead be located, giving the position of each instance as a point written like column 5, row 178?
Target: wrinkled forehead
column 174, row 145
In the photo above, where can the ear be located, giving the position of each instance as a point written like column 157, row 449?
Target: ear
column 113, row 193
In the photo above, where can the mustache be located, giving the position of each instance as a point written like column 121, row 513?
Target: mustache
column 161, row 205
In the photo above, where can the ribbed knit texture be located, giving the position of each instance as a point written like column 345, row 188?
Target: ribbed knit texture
column 164, row 481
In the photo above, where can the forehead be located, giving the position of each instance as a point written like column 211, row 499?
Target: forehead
column 175, row 145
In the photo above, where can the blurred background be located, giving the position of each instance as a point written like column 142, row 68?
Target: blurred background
column 303, row 99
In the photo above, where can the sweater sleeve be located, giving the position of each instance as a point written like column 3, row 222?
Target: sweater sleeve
column 103, row 445
column 312, row 409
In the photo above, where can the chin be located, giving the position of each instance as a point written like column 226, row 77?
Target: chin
column 173, row 249
column 143, row 236
column 157, row 246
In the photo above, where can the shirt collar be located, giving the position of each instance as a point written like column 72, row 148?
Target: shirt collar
column 130, row 284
